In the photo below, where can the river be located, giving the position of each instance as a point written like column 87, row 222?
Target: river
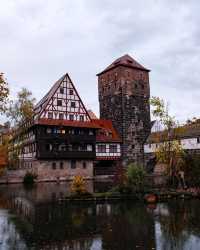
column 36, row 219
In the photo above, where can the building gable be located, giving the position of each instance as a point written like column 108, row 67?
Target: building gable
column 62, row 102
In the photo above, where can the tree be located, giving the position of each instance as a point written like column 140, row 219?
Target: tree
column 22, row 109
column 135, row 177
column 4, row 93
column 169, row 150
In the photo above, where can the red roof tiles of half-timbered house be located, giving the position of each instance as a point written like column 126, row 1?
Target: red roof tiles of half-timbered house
column 106, row 133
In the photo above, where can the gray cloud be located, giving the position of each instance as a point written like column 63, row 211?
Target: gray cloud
column 41, row 40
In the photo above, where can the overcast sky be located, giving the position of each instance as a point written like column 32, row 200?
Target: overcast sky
column 41, row 40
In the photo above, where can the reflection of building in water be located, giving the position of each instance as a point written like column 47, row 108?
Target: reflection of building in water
column 55, row 225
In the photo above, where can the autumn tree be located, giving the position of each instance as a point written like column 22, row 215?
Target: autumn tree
column 21, row 110
column 169, row 150
column 4, row 93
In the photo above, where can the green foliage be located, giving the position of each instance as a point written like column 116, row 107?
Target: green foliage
column 29, row 178
column 135, row 177
column 21, row 110
column 4, row 93
column 169, row 150
column 160, row 110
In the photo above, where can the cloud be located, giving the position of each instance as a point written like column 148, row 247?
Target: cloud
column 41, row 40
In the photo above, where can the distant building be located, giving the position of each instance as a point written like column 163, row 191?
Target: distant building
column 64, row 139
column 188, row 136
column 124, row 99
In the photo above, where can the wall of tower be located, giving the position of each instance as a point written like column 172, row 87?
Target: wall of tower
column 124, row 98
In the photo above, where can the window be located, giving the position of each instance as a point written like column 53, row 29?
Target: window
column 84, row 165
column 61, row 165
column 59, row 102
column 60, row 116
column 62, row 147
column 70, row 147
column 91, row 132
column 113, row 148
column 142, row 86
column 73, row 164
column 101, row 148
column 89, row 147
column 71, row 117
column 50, row 115
column 198, row 139
column 136, row 86
column 63, row 131
column 48, row 131
column 53, row 165
column 61, row 90
column 73, row 104
column 81, row 118
column 133, row 146
column 71, row 92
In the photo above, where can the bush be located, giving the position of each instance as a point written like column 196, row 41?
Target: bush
column 135, row 177
column 78, row 186
column 29, row 178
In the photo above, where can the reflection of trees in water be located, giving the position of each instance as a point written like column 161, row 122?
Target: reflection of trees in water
column 9, row 237
column 130, row 227
column 180, row 222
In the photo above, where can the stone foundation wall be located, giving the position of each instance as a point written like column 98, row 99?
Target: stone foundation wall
column 45, row 171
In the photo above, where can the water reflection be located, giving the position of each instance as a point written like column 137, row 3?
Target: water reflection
column 35, row 222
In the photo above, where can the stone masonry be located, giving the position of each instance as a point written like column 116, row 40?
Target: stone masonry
column 124, row 98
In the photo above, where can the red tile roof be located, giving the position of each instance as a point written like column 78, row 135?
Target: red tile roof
column 107, row 133
column 125, row 60
column 45, row 121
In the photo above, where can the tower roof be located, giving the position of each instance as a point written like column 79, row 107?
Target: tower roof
column 125, row 60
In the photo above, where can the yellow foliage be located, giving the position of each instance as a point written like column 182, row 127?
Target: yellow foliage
column 78, row 185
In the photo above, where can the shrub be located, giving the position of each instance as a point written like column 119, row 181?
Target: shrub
column 29, row 178
column 78, row 186
column 135, row 177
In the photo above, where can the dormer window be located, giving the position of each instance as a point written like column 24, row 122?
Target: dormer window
column 59, row 102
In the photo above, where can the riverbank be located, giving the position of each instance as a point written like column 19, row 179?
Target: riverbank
column 152, row 196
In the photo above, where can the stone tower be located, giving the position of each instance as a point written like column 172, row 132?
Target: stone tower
column 124, row 98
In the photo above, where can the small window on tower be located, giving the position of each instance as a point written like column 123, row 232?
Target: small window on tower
column 59, row 102
column 71, row 92
column 73, row 104
column 50, row 115
column 60, row 116
column 61, row 90
column 71, row 117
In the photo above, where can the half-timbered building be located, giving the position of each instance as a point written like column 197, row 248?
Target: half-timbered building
column 63, row 139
